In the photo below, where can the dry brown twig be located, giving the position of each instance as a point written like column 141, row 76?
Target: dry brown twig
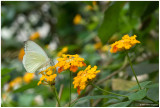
column 60, row 93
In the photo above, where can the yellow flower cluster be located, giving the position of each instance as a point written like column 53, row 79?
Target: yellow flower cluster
column 15, row 82
column 28, row 77
column 63, row 51
column 77, row 19
column 71, row 62
column 48, row 76
column 124, row 44
column 83, row 77
column 34, row 36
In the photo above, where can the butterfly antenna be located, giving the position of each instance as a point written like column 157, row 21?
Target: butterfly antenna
column 51, row 62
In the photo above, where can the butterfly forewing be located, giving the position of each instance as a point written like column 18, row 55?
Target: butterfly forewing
column 35, row 58
column 31, row 46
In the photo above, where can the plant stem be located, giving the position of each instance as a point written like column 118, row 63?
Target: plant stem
column 137, row 79
column 107, row 91
column 70, row 88
column 133, row 70
column 152, row 100
column 56, row 94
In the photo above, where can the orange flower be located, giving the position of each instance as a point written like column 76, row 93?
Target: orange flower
column 60, row 69
column 73, row 68
column 78, row 90
column 34, row 36
column 84, row 64
column 115, row 49
column 21, row 54
column 71, row 62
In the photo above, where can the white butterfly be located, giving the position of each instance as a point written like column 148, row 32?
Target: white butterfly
column 35, row 58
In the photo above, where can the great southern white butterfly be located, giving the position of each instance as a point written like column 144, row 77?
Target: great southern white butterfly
column 35, row 58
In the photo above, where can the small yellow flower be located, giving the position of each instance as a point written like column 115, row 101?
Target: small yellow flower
column 39, row 83
column 77, row 19
column 94, row 3
column 21, row 54
column 28, row 77
column 4, row 96
column 82, row 78
column 34, row 36
column 63, row 51
column 49, row 72
column 48, row 76
column 15, row 82
column 124, row 44
column 89, row 7
column 105, row 48
column 98, row 45
column 71, row 62
column 51, row 77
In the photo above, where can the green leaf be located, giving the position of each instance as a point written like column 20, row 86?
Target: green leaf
column 25, row 100
column 4, row 79
column 138, row 8
column 88, row 2
column 152, row 85
column 143, row 68
column 85, row 37
column 25, row 87
column 142, row 84
column 138, row 95
column 5, row 71
column 95, row 97
column 153, row 5
column 110, row 22
column 121, row 104
column 153, row 93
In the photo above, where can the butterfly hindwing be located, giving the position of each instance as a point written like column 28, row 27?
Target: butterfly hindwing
column 32, row 61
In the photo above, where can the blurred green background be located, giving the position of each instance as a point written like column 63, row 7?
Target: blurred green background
column 86, row 28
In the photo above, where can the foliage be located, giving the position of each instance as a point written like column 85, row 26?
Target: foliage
column 51, row 24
